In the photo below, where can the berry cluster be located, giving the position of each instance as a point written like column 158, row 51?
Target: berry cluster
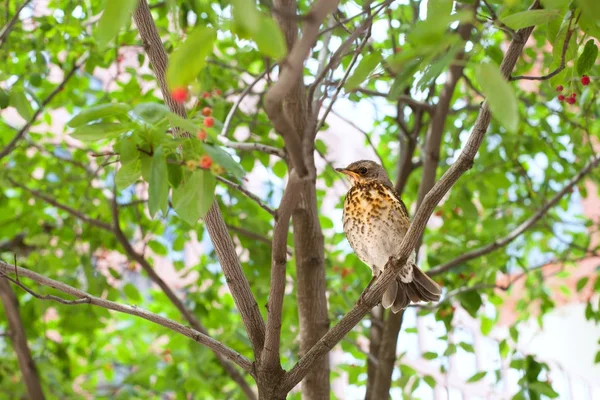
column 572, row 98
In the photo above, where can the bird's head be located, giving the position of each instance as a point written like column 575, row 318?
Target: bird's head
column 365, row 171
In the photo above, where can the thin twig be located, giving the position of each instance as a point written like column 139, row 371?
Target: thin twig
column 248, row 194
column 562, row 59
column 11, row 145
column 9, row 26
column 238, row 101
column 86, row 298
column 523, row 227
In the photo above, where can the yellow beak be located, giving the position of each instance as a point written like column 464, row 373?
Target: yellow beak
column 347, row 172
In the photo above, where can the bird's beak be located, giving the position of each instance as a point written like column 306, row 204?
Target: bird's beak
column 345, row 171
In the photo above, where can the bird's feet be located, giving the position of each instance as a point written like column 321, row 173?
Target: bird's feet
column 361, row 299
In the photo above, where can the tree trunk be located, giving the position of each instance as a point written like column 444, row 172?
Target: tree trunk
column 387, row 357
column 310, row 287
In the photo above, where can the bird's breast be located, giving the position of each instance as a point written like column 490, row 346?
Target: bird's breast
column 374, row 223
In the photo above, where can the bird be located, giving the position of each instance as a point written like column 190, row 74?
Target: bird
column 375, row 221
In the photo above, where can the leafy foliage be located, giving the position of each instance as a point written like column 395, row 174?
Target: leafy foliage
column 106, row 133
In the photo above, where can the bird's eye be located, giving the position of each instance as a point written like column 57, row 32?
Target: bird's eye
column 362, row 170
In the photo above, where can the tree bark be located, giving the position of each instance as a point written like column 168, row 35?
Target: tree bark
column 18, row 337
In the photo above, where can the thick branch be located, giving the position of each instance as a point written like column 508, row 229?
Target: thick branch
column 6, row 270
column 270, row 357
column 288, row 77
column 224, row 246
column 18, row 337
column 521, row 228
column 373, row 295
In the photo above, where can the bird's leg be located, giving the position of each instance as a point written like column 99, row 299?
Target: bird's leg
column 362, row 295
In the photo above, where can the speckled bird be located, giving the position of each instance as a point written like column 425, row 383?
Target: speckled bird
column 375, row 222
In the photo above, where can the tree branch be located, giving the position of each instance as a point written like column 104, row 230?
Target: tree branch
column 247, row 193
column 373, row 295
column 289, row 75
column 223, row 244
column 18, row 336
column 270, row 356
column 522, row 228
column 246, row 146
column 11, row 145
column 563, row 55
column 10, row 25
column 85, row 298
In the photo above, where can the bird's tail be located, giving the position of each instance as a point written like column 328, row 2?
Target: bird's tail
column 399, row 294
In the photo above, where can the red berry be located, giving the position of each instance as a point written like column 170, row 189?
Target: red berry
column 561, row 97
column 209, row 122
column 218, row 92
column 574, row 95
column 206, row 95
column 571, row 100
column 585, row 80
column 206, row 111
column 201, row 134
column 559, row 88
column 205, row 162
column 180, row 94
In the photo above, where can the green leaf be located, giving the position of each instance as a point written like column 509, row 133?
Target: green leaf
column 116, row 14
column 151, row 112
column 486, row 325
column 280, row 169
column 525, row 19
column 194, row 197
column 500, row 95
column 225, row 160
column 4, row 99
column 98, row 112
column 270, row 40
column 587, row 59
column 514, row 333
column 430, row 355
column 467, row 347
column 175, row 172
column 245, row 15
column 470, row 301
column 590, row 8
column 368, row 63
column 101, row 130
column 503, row 348
column 185, row 124
column 189, row 58
column 128, row 174
column 129, row 151
column 132, row 293
column 158, row 191
column 157, row 247
column 429, row 380
column 555, row 4
column 477, row 377
column 597, row 359
column 543, row 388
column 581, row 283
column 19, row 101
